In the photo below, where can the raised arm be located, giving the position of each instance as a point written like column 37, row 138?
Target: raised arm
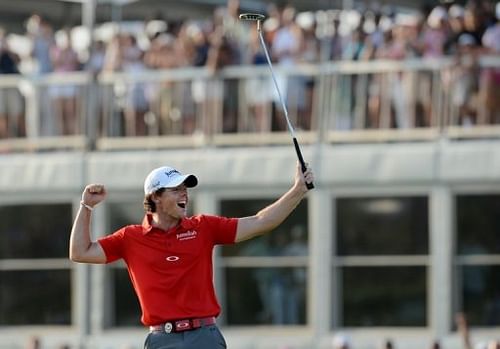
column 273, row 215
column 81, row 248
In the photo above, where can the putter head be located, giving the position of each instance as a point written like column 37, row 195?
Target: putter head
column 252, row 17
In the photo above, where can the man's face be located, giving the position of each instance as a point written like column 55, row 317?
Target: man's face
column 173, row 202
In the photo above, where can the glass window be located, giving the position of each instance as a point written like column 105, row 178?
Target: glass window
column 382, row 226
column 478, row 224
column 127, row 308
column 290, row 238
column 35, row 231
column 122, row 214
column 477, row 227
column 20, row 304
column 384, row 296
column 127, row 311
column 264, row 294
column 481, row 294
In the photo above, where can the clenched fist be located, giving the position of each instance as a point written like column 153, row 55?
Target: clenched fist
column 93, row 194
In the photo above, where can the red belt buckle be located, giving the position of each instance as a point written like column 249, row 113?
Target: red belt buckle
column 182, row 325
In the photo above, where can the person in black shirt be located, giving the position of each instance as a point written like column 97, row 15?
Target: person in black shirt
column 11, row 120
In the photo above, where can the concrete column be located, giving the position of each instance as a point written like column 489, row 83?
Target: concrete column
column 80, row 293
column 31, row 92
column 91, row 114
column 206, row 203
column 441, row 258
column 320, row 244
column 101, row 308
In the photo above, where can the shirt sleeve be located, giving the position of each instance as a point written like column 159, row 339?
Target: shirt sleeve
column 113, row 245
column 222, row 229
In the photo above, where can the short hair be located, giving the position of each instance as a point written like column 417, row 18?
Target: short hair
column 148, row 203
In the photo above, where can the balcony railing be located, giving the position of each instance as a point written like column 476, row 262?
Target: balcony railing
column 376, row 101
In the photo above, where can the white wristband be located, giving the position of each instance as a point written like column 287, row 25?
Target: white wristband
column 90, row 208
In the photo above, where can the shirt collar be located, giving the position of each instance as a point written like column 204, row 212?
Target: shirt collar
column 147, row 226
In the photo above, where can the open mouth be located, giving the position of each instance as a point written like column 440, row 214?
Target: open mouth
column 182, row 204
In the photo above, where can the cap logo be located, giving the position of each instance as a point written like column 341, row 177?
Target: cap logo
column 154, row 185
column 171, row 172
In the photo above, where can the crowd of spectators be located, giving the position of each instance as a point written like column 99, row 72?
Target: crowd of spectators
column 448, row 29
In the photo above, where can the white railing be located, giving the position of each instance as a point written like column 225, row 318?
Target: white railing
column 331, row 102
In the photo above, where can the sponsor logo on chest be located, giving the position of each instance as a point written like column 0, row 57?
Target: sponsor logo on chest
column 190, row 234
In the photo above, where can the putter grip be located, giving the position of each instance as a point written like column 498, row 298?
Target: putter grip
column 302, row 163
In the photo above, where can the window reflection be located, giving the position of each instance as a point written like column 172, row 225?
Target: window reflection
column 481, row 294
column 266, row 296
column 44, row 234
column 20, row 304
column 478, row 224
column 384, row 296
column 382, row 226
column 290, row 238
column 122, row 214
column 127, row 308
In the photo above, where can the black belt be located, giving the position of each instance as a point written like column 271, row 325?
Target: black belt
column 183, row 325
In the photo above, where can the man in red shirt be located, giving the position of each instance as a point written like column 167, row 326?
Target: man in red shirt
column 169, row 256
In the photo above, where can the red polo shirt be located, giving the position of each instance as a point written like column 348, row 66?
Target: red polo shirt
column 171, row 271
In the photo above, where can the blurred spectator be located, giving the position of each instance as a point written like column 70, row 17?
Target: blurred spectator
column 490, row 79
column 456, row 14
column 236, row 31
column 336, row 41
column 64, row 96
column 191, row 49
column 463, row 329
column 95, row 66
column 295, row 295
column 387, row 344
column 310, row 53
column 95, row 63
column 206, row 93
column 124, row 55
column 435, row 345
column 354, row 45
column 42, row 38
column 494, row 344
column 11, row 108
column 164, row 113
column 398, row 47
column 435, row 33
column 341, row 341
column 220, row 94
column 465, row 81
column 472, row 21
column 286, row 49
column 258, row 89
column 236, row 37
column 33, row 343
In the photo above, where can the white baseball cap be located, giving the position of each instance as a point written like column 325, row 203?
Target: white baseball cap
column 167, row 177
